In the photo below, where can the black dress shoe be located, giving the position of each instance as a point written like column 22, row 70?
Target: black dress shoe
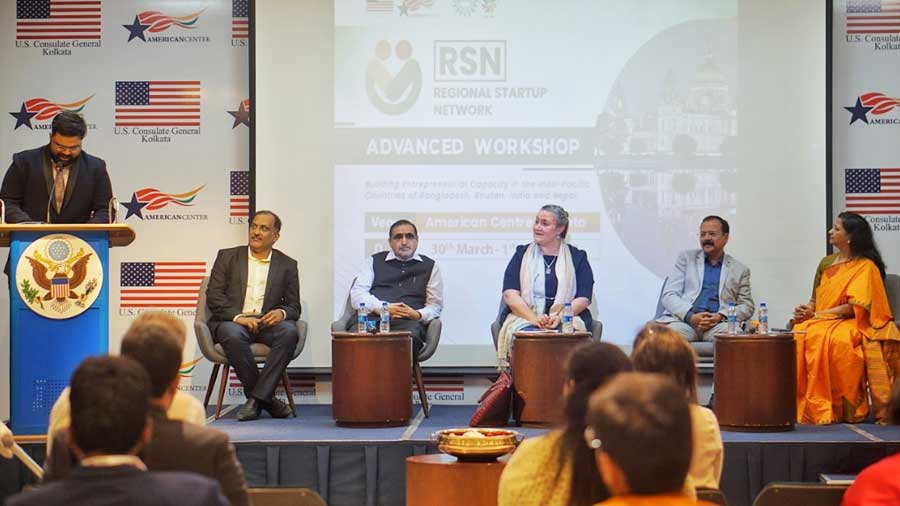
column 277, row 408
column 249, row 411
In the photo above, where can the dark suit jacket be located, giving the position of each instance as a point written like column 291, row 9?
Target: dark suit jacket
column 124, row 486
column 175, row 446
column 29, row 179
column 228, row 286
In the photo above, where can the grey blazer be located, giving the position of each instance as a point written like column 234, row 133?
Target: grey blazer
column 684, row 284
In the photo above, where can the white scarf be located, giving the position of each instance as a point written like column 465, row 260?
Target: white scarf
column 532, row 275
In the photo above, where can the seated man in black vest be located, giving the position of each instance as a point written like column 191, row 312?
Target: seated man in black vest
column 410, row 283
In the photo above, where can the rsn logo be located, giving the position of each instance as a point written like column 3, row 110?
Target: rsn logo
column 469, row 60
column 393, row 93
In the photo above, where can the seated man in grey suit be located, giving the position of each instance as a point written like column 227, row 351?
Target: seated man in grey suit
column 696, row 295
column 254, row 297
column 175, row 445
column 410, row 283
column 110, row 424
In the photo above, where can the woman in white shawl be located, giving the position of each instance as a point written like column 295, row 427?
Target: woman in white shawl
column 541, row 277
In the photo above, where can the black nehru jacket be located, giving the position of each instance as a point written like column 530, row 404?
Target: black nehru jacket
column 401, row 281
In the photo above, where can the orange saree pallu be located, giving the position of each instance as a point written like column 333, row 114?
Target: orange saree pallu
column 837, row 358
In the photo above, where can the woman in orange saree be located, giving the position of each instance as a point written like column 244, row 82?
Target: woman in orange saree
column 846, row 337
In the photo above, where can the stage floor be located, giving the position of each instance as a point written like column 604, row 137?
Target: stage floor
column 314, row 423
column 352, row 466
column 366, row 467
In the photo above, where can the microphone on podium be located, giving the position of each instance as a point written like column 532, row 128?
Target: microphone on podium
column 112, row 209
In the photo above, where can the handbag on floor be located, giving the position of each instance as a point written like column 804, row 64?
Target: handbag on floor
column 495, row 404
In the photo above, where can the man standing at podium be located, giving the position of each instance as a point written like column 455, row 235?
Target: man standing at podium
column 410, row 283
column 696, row 295
column 58, row 183
column 254, row 297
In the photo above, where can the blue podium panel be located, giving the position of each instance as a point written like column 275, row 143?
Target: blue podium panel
column 44, row 351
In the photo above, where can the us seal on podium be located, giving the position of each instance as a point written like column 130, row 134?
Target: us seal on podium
column 59, row 276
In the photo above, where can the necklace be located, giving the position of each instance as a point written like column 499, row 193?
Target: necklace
column 547, row 270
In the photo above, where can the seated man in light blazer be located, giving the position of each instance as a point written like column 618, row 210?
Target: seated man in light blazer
column 705, row 281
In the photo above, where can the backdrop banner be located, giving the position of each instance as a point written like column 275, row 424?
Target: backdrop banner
column 865, row 118
column 164, row 88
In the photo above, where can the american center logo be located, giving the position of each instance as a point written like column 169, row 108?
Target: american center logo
column 44, row 110
column 154, row 22
column 876, row 104
column 145, row 202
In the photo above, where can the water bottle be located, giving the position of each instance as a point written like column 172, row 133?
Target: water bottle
column 568, row 324
column 385, row 318
column 361, row 316
column 763, row 318
column 732, row 318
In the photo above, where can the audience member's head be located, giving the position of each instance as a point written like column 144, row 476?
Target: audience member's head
column 155, row 347
column 110, row 403
column 164, row 318
column 590, row 365
column 640, row 428
column 657, row 348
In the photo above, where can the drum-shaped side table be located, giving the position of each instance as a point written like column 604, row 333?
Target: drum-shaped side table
column 538, row 369
column 755, row 382
column 371, row 379
column 441, row 480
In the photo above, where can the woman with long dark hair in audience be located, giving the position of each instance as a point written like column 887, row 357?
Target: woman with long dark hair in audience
column 846, row 335
column 558, row 469
column 660, row 349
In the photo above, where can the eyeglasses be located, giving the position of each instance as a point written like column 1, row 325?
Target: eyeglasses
column 590, row 437
column 409, row 236
column 711, row 235
column 67, row 149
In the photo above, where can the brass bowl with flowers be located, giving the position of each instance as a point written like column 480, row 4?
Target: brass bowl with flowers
column 476, row 444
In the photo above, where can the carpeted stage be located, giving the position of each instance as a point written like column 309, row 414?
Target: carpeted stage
column 365, row 467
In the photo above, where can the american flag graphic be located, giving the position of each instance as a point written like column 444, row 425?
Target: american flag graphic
column 872, row 191
column 873, row 16
column 157, row 103
column 880, row 102
column 239, row 194
column 161, row 284
column 380, row 6
column 240, row 16
column 57, row 19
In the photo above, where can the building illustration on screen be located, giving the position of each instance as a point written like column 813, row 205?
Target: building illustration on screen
column 665, row 153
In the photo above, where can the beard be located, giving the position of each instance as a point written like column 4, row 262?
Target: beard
column 62, row 162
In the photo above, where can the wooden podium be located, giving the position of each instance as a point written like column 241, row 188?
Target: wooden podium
column 45, row 350
column 755, row 382
column 539, row 372
column 370, row 379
